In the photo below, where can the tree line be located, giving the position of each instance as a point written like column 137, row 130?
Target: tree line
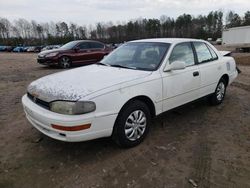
column 24, row 32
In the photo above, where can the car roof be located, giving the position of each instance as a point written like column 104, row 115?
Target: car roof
column 86, row 41
column 169, row 40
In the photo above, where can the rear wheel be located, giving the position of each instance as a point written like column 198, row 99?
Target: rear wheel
column 65, row 62
column 132, row 124
column 218, row 96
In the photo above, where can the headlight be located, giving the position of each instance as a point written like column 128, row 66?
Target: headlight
column 72, row 108
column 52, row 54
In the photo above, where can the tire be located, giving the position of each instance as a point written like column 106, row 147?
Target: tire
column 65, row 62
column 218, row 96
column 132, row 124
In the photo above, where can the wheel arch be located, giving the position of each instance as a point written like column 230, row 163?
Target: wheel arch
column 226, row 78
column 144, row 99
column 62, row 56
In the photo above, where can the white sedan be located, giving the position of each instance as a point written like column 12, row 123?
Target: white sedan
column 118, row 96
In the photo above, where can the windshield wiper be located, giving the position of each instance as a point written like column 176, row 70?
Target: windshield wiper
column 100, row 63
column 121, row 66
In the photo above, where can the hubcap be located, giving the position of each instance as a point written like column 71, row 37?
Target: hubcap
column 135, row 125
column 220, row 91
column 65, row 62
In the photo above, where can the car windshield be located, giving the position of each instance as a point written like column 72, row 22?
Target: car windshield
column 137, row 55
column 69, row 45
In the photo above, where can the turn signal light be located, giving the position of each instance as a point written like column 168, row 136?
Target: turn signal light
column 74, row 128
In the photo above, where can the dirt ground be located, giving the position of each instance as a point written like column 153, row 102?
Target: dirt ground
column 209, row 146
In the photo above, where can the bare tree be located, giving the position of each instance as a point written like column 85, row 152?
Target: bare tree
column 5, row 28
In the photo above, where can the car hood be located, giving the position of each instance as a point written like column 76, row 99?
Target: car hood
column 77, row 83
column 45, row 52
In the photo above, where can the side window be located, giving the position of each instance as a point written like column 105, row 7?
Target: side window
column 96, row 45
column 203, row 53
column 84, row 45
column 182, row 52
column 214, row 55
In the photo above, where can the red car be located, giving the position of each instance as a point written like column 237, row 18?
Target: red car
column 75, row 52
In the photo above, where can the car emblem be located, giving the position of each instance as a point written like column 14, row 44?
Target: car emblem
column 35, row 95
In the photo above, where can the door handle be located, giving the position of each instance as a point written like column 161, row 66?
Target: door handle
column 196, row 73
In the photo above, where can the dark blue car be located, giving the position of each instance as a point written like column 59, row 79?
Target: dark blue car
column 18, row 49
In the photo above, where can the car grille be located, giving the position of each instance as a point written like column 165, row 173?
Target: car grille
column 39, row 102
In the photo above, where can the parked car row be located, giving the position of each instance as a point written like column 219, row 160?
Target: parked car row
column 27, row 48
column 6, row 48
column 50, row 47
column 114, row 45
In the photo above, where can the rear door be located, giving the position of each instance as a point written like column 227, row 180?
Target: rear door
column 181, row 86
column 210, row 67
column 97, row 51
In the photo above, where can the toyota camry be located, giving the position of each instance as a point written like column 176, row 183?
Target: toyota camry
column 119, row 96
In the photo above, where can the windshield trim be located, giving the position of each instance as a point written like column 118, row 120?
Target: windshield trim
column 73, row 46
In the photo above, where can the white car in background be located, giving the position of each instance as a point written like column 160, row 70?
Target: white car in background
column 118, row 96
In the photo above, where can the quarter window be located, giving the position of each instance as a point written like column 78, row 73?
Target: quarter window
column 182, row 52
column 203, row 53
column 214, row 55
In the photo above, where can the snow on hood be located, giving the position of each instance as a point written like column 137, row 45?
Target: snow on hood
column 77, row 83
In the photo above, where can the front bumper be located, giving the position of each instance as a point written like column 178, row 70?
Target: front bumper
column 47, row 61
column 43, row 119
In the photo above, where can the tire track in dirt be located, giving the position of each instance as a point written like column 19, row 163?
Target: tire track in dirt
column 202, row 163
column 202, row 160
column 201, row 172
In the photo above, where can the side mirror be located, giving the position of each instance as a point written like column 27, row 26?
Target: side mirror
column 176, row 65
column 76, row 49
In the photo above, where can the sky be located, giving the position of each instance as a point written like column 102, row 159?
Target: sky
column 85, row 12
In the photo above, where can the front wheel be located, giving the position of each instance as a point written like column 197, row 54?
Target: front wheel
column 132, row 124
column 65, row 62
column 218, row 96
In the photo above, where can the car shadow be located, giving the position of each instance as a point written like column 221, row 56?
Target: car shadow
column 178, row 121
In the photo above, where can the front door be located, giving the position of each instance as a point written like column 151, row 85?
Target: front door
column 98, row 51
column 181, row 86
column 83, row 53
